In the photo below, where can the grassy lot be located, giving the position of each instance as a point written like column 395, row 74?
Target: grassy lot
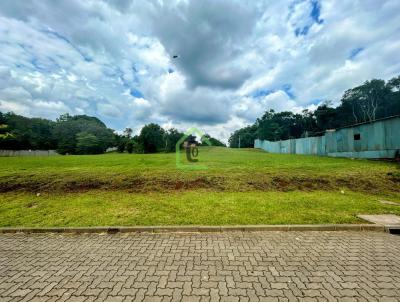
column 239, row 187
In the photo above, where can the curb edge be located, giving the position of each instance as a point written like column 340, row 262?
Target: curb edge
column 199, row 229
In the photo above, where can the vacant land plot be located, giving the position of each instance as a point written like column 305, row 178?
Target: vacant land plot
column 239, row 187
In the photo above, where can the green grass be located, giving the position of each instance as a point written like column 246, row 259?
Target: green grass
column 239, row 187
column 99, row 208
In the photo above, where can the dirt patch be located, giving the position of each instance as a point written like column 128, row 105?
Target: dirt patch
column 394, row 177
column 85, row 185
column 160, row 185
column 237, row 183
column 301, row 183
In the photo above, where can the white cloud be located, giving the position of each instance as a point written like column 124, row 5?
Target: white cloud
column 108, row 110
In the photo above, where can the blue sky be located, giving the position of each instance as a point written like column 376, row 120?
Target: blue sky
column 235, row 59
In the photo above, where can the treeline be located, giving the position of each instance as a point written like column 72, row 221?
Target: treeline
column 372, row 100
column 82, row 134
column 153, row 138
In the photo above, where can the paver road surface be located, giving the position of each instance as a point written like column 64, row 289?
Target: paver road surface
column 230, row 266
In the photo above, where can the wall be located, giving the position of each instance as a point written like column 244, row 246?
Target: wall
column 379, row 139
column 28, row 152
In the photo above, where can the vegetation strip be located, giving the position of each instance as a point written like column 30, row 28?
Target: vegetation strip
column 197, row 229
column 229, row 170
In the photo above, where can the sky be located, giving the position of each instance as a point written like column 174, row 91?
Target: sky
column 213, row 64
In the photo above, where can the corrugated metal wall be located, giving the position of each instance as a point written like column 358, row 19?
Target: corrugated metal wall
column 380, row 139
column 28, row 152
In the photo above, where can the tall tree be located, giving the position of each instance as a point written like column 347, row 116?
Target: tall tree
column 393, row 100
column 128, row 132
column 152, row 138
column 367, row 101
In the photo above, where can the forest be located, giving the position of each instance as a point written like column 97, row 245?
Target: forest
column 82, row 134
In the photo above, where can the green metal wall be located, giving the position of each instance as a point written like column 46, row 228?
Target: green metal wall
column 379, row 139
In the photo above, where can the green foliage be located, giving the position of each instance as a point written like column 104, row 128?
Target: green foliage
column 87, row 143
column 372, row 100
column 68, row 127
column 137, row 146
column 172, row 136
column 3, row 131
column 326, row 117
column 128, row 132
column 120, row 144
column 69, row 134
column 366, row 102
column 121, row 141
column 214, row 142
column 82, row 134
column 151, row 138
column 20, row 132
column 129, row 146
column 284, row 125
column 247, row 136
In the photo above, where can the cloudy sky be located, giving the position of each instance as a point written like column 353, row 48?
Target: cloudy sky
column 236, row 59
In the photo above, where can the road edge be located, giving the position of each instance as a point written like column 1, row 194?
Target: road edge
column 198, row 229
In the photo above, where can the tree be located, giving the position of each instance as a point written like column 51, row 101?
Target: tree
column 87, row 143
column 3, row 132
column 171, row 137
column 152, row 138
column 121, row 146
column 326, row 117
column 393, row 99
column 212, row 140
column 129, row 146
column 366, row 101
column 67, row 127
column 137, row 145
column 119, row 142
column 26, row 133
column 128, row 132
column 247, row 136
column 284, row 125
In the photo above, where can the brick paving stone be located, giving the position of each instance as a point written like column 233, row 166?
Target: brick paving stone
column 216, row 267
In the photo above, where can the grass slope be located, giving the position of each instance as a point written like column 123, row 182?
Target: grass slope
column 239, row 187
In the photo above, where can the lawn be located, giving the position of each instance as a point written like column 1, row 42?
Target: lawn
column 243, row 186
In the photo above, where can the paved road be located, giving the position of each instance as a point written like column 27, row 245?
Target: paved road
column 265, row 266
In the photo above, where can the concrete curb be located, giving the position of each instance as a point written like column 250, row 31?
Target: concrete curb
column 392, row 229
column 201, row 229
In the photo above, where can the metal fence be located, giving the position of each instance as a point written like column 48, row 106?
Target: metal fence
column 378, row 139
column 28, row 153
